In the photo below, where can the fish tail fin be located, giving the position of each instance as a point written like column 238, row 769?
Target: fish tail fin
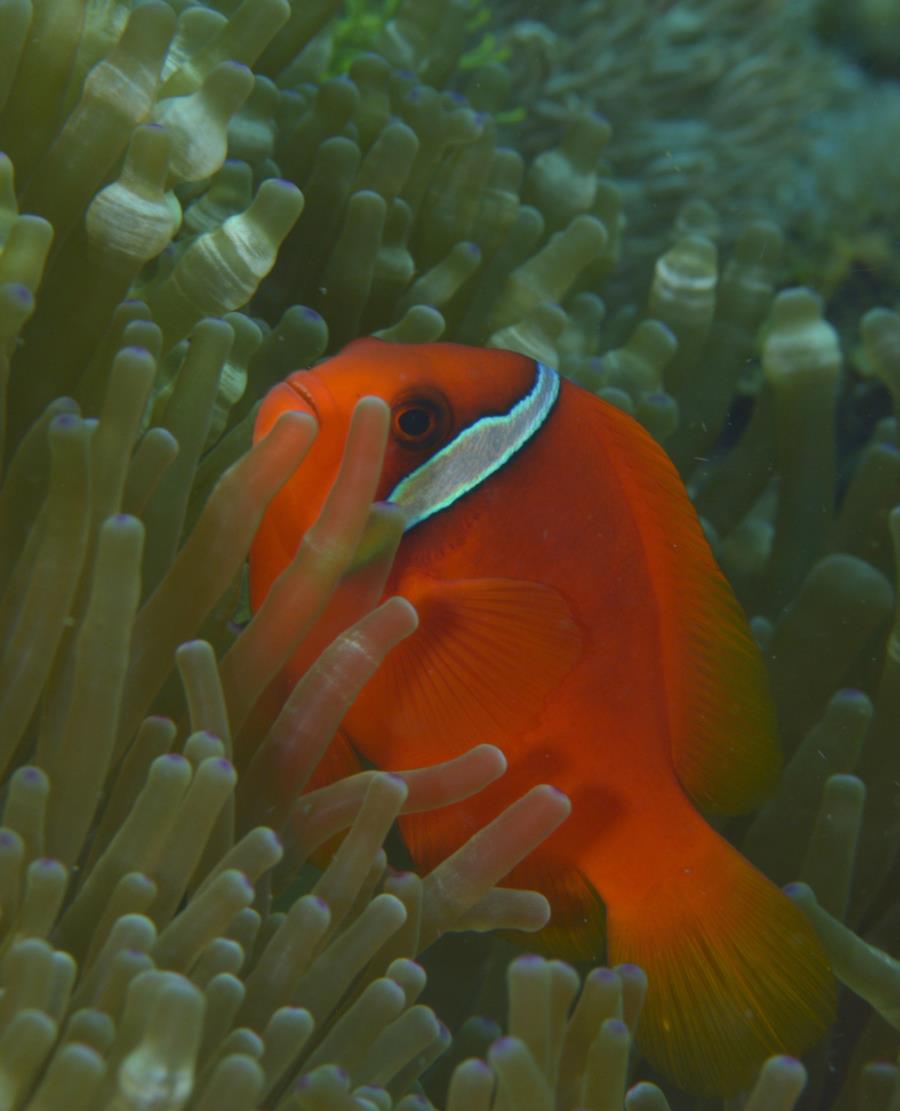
column 736, row 973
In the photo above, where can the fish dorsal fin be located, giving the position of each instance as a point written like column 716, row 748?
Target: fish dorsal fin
column 485, row 657
column 724, row 737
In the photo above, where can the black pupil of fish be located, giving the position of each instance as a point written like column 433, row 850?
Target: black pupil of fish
column 414, row 422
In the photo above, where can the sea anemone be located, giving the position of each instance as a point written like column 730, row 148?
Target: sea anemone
column 192, row 204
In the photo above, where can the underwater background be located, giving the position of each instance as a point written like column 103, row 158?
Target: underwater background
column 690, row 208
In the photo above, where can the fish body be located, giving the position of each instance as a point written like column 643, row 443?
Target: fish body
column 571, row 612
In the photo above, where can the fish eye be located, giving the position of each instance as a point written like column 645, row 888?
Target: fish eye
column 417, row 422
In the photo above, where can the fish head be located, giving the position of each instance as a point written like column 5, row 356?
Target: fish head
column 434, row 392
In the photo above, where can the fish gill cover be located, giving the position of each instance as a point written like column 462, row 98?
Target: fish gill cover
column 197, row 199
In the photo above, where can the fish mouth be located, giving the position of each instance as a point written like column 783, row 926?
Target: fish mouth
column 305, row 394
column 314, row 396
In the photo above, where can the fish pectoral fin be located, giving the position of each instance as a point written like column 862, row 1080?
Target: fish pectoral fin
column 480, row 666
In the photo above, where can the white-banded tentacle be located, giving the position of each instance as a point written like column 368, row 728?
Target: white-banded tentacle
column 476, row 453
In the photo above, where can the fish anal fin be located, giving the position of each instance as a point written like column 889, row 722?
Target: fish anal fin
column 723, row 728
column 735, row 971
column 484, row 658
column 576, row 931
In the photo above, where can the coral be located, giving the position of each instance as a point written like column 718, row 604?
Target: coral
column 191, row 206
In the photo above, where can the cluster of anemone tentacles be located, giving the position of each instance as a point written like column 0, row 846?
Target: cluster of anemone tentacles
column 751, row 107
column 188, row 210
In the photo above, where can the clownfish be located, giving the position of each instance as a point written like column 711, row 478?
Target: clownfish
column 571, row 612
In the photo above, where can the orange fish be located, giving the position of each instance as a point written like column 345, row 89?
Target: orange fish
column 572, row 613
